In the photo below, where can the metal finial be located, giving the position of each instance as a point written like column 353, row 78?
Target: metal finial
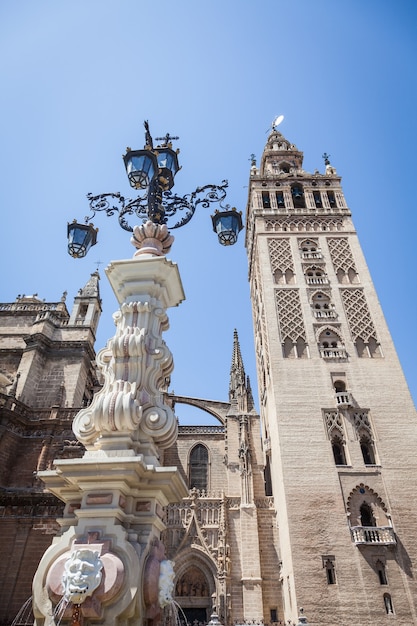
column 326, row 158
column 148, row 136
column 167, row 139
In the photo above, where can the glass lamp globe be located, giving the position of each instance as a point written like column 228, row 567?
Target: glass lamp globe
column 81, row 237
column 227, row 225
column 140, row 167
column 168, row 166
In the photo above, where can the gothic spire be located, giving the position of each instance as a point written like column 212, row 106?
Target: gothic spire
column 237, row 371
column 240, row 394
column 251, row 404
column 91, row 288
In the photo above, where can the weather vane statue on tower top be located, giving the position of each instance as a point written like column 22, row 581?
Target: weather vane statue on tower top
column 277, row 121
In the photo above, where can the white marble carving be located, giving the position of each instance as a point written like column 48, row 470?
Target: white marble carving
column 150, row 238
column 82, row 575
column 136, row 362
column 166, row 583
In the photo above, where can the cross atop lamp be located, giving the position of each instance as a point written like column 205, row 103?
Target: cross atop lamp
column 152, row 171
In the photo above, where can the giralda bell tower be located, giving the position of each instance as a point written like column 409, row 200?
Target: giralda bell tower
column 339, row 424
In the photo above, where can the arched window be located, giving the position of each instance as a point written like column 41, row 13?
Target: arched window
column 331, row 198
column 382, row 575
column 338, row 451
column 301, row 348
column 266, row 201
column 280, row 199
column 389, row 609
column 297, row 193
column 316, row 276
column 317, row 199
column 330, row 571
column 339, row 386
column 267, row 477
column 322, row 306
column 367, row 516
column 284, row 278
column 367, row 451
column 342, row 276
column 309, row 246
column 288, row 348
column 352, row 275
column 361, row 348
column 374, row 348
column 330, row 345
column 198, row 470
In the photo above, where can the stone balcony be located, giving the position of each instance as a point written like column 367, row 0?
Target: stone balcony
column 311, row 255
column 317, row 280
column 325, row 314
column 343, row 398
column 370, row 535
column 333, row 353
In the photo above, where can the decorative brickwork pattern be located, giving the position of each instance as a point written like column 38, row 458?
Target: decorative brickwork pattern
column 290, row 315
column 341, row 254
column 261, row 344
column 280, row 255
column 357, row 313
column 303, row 224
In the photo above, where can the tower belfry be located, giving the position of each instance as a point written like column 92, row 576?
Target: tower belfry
column 335, row 408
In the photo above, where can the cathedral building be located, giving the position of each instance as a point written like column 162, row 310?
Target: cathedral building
column 47, row 373
column 307, row 503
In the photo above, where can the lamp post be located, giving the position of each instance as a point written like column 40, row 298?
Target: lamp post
column 105, row 564
column 152, row 171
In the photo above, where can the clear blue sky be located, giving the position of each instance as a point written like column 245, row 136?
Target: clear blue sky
column 77, row 80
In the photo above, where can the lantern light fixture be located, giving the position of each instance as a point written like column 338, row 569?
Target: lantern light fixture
column 81, row 237
column 227, row 225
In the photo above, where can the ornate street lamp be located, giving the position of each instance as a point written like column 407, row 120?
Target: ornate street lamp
column 227, row 225
column 152, row 170
column 80, row 239
column 119, row 487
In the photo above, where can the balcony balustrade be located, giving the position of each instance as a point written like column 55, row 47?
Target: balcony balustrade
column 343, row 398
column 366, row 535
column 325, row 313
column 311, row 255
column 333, row 353
column 317, row 280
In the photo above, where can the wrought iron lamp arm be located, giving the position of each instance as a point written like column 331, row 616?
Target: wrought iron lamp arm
column 190, row 202
column 171, row 204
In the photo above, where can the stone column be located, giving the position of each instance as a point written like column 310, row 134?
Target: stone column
column 115, row 494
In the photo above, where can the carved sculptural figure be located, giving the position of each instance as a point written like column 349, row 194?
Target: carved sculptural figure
column 166, row 583
column 82, row 575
